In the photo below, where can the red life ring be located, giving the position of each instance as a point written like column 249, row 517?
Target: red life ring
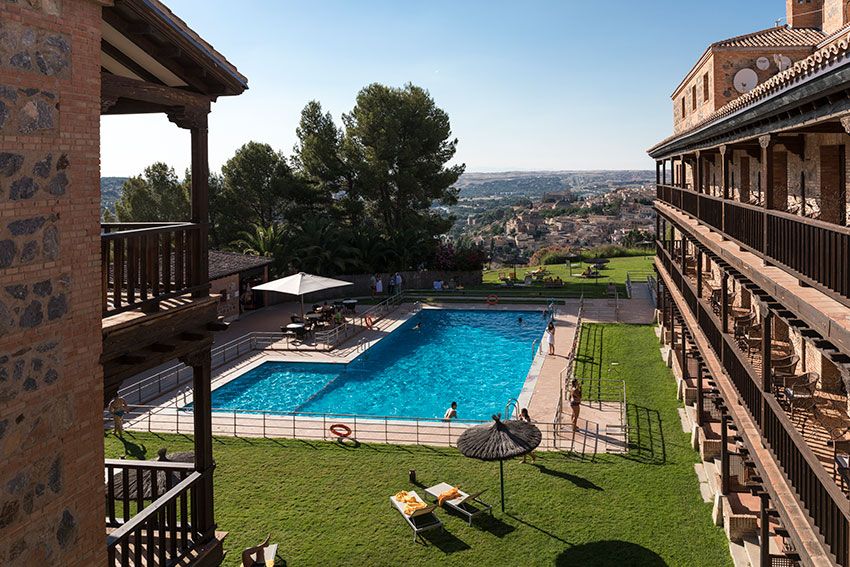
column 369, row 321
column 492, row 299
column 340, row 430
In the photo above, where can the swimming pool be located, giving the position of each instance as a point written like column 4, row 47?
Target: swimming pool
column 479, row 359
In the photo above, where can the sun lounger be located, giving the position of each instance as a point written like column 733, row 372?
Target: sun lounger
column 421, row 520
column 467, row 504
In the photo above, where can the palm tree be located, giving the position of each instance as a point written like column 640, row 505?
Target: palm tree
column 269, row 241
column 321, row 247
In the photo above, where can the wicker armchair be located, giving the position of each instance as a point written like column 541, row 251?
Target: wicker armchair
column 800, row 390
column 782, row 368
column 742, row 323
column 841, row 461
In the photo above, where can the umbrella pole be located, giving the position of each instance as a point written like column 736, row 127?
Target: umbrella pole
column 302, row 308
column 502, row 481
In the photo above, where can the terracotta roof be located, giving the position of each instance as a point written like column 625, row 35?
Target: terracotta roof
column 224, row 264
column 823, row 58
column 781, row 36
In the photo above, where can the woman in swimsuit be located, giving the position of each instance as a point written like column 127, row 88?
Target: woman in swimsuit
column 523, row 416
column 575, row 401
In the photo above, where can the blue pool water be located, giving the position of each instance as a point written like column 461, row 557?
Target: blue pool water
column 478, row 359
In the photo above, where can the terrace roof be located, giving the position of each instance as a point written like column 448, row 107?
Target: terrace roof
column 143, row 40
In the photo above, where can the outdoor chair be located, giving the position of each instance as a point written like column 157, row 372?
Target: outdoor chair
column 782, row 368
column 742, row 323
column 800, row 391
column 842, row 463
column 751, row 339
column 467, row 505
column 421, row 520
column 261, row 555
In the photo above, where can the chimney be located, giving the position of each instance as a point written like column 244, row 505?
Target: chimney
column 804, row 13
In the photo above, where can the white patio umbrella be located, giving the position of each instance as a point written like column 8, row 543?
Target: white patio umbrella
column 300, row 284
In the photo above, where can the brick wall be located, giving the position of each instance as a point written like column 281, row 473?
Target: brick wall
column 834, row 15
column 806, row 14
column 51, row 444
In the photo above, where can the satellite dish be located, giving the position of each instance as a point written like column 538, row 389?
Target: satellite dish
column 782, row 61
column 745, row 80
column 763, row 63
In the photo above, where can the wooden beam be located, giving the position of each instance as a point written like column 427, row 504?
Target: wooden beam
column 115, row 87
column 163, row 347
column 127, row 62
column 165, row 54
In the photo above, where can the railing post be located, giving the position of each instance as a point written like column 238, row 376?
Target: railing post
column 724, row 454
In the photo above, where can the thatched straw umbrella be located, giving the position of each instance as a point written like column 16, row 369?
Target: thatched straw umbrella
column 499, row 441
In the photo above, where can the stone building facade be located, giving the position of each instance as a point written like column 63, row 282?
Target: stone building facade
column 50, row 377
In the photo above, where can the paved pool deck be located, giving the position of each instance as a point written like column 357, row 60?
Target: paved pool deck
column 599, row 428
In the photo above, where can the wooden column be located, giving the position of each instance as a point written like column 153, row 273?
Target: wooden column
column 724, row 302
column 200, row 198
column 767, row 182
column 766, row 347
column 725, row 158
column 657, row 172
column 700, row 394
column 664, row 172
column 724, row 454
column 699, row 273
column 202, row 400
column 698, row 176
column 683, row 352
column 194, row 119
column 764, row 530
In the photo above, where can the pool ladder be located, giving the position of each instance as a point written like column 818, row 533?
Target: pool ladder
column 534, row 347
column 513, row 404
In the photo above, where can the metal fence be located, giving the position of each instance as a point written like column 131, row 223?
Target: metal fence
column 178, row 418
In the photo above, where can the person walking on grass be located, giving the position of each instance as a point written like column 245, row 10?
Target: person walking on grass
column 523, row 416
column 550, row 337
column 575, row 401
column 118, row 407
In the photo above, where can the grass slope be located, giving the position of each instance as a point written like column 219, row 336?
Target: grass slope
column 615, row 272
column 328, row 504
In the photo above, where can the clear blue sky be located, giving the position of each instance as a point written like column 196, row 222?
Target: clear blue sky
column 528, row 84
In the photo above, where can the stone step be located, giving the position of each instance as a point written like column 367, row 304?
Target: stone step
column 740, row 557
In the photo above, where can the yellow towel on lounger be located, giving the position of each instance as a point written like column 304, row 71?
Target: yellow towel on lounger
column 411, row 503
column 449, row 494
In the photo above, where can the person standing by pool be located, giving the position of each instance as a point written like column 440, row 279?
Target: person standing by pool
column 372, row 283
column 391, row 285
column 575, row 401
column 379, row 284
column 451, row 412
column 550, row 337
column 523, row 416
column 397, row 282
column 118, row 407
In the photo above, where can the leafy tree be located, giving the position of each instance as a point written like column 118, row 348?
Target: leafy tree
column 156, row 195
column 398, row 143
column 258, row 187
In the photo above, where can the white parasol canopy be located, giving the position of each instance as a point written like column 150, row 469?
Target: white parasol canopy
column 300, row 284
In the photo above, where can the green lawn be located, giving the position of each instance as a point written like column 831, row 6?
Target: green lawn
column 328, row 504
column 615, row 272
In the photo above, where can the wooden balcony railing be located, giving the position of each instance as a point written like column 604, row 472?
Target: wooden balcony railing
column 827, row 505
column 151, row 507
column 144, row 263
column 815, row 251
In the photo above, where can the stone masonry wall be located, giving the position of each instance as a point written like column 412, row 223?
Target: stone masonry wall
column 51, row 442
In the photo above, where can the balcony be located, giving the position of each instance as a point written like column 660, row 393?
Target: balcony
column 816, row 252
column 800, row 436
column 153, row 510
column 145, row 264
